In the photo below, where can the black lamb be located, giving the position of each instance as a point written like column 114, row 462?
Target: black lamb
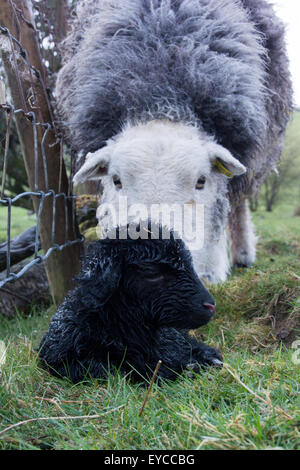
column 133, row 306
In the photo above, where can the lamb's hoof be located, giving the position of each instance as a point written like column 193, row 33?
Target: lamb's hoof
column 211, row 357
column 192, row 369
column 217, row 363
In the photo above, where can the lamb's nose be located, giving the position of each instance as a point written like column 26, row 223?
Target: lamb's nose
column 211, row 307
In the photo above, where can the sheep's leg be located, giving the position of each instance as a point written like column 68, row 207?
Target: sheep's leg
column 178, row 351
column 212, row 264
column 204, row 356
column 218, row 262
column 243, row 238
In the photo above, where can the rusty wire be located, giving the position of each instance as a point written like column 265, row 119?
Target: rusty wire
column 34, row 117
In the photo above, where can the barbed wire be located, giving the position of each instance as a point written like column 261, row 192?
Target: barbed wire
column 30, row 110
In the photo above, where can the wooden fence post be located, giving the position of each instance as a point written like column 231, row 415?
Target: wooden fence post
column 29, row 93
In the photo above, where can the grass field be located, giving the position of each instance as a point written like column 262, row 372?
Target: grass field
column 20, row 222
column 252, row 403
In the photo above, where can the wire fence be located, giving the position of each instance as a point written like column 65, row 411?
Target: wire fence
column 41, row 191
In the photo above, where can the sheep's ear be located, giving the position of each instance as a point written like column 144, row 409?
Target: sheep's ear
column 94, row 168
column 223, row 161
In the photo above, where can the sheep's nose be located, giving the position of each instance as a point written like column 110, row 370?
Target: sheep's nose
column 211, row 307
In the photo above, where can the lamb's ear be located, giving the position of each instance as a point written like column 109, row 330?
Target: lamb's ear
column 99, row 280
column 109, row 282
column 95, row 166
column 222, row 159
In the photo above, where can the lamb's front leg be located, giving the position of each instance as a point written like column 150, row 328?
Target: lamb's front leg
column 243, row 238
column 204, row 356
column 179, row 351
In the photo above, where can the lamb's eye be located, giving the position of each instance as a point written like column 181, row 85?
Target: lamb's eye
column 117, row 182
column 153, row 277
column 150, row 273
column 201, row 182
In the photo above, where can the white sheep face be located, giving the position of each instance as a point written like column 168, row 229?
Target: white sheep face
column 157, row 163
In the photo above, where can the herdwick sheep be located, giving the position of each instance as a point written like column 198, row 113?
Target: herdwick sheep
column 179, row 102
column 133, row 305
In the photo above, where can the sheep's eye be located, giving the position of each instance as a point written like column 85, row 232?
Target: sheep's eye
column 117, row 182
column 201, row 183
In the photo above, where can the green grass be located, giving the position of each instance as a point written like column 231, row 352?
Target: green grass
column 20, row 221
column 253, row 403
